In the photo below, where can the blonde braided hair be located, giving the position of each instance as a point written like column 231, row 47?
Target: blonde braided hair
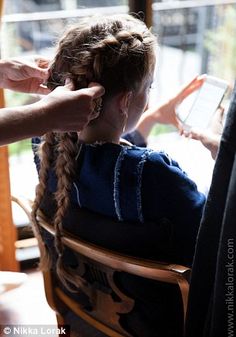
column 68, row 149
column 47, row 155
column 116, row 51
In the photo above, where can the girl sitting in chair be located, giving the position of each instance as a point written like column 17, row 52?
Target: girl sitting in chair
column 94, row 169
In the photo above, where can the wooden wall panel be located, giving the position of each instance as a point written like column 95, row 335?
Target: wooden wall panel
column 143, row 6
column 7, row 229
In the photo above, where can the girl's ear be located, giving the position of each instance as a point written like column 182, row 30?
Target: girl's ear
column 125, row 100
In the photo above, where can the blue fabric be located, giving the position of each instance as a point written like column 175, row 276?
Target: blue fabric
column 163, row 206
column 138, row 184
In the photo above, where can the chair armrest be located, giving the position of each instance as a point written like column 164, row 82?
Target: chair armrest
column 25, row 204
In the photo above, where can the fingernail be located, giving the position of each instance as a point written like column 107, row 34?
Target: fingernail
column 95, row 84
column 68, row 81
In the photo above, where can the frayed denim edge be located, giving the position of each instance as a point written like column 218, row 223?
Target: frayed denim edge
column 139, row 183
column 77, row 194
column 116, row 193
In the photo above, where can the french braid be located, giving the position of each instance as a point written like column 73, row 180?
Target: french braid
column 68, row 149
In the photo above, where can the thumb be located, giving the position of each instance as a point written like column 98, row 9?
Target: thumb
column 197, row 134
column 69, row 84
column 219, row 115
column 178, row 123
column 96, row 89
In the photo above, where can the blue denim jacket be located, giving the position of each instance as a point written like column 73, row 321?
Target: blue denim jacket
column 162, row 204
column 138, row 184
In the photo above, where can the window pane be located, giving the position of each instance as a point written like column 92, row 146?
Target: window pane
column 27, row 32
column 29, row 6
column 191, row 38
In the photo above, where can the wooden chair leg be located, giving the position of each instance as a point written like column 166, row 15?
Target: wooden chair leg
column 60, row 320
column 184, row 288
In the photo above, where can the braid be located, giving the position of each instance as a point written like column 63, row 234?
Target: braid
column 65, row 168
column 47, row 158
column 67, row 151
column 116, row 47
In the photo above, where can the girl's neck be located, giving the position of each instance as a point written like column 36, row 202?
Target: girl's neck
column 99, row 132
column 107, row 127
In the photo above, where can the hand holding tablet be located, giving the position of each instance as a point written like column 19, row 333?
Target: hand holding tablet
column 208, row 99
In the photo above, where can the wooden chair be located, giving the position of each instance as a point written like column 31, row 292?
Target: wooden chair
column 101, row 264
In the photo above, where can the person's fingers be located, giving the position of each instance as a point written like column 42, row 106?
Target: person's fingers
column 195, row 82
column 69, row 84
column 179, row 125
column 197, row 135
column 216, row 123
column 220, row 113
column 34, row 72
column 95, row 89
column 190, row 89
column 192, row 86
column 40, row 70
column 42, row 90
column 42, row 62
column 43, row 73
column 218, row 116
column 34, row 60
column 30, row 86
